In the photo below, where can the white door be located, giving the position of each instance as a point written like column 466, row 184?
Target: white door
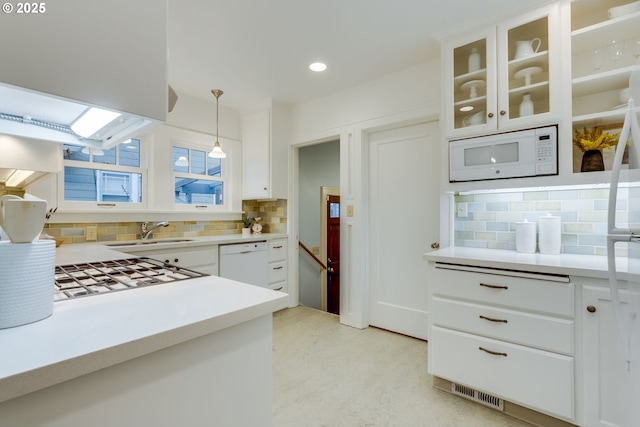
column 404, row 167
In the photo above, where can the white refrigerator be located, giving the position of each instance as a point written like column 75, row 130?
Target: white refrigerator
column 623, row 252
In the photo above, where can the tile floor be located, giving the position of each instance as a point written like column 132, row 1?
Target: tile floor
column 328, row 374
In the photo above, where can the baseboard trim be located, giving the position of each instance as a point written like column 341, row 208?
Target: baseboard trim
column 513, row 410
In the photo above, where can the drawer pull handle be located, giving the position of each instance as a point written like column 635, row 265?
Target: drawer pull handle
column 490, row 319
column 279, row 289
column 277, row 247
column 278, row 268
column 495, row 353
column 493, row 286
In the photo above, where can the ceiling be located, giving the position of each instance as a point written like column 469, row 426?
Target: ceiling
column 259, row 49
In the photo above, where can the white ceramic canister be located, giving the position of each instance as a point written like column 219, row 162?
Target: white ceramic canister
column 549, row 238
column 526, row 237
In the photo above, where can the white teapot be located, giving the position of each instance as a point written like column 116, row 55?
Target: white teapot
column 22, row 220
column 526, row 48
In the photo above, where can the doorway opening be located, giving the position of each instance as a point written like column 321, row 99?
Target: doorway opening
column 319, row 178
column 330, row 249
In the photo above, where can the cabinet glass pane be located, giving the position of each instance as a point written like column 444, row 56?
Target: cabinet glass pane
column 528, row 68
column 470, row 78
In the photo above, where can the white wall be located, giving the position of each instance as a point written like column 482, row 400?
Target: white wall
column 319, row 167
column 408, row 96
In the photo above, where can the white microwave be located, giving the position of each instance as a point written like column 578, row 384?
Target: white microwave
column 531, row 152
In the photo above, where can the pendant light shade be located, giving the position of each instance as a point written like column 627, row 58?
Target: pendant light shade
column 217, row 149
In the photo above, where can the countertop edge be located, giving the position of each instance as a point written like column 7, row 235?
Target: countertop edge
column 591, row 266
column 45, row 376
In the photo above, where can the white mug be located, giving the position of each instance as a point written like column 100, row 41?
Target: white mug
column 525, row 48
column 474, row 119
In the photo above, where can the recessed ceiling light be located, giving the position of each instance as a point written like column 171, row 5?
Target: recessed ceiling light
column 318, row 66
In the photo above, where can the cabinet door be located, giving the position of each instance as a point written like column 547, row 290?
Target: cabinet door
column 519, row 66
column 256, row 141
column 469, row 70
column 528, row 69
column 609, row 386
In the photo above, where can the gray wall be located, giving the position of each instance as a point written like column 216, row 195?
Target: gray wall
column 319, row 167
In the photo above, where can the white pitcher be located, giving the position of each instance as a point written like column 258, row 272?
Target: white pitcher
column 526, row 48
column 22, row 220
column 474, row 119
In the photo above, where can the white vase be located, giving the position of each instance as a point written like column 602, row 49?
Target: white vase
column 474, row 60
column 526, row 106
column 246, row 232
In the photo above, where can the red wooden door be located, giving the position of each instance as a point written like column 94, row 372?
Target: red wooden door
column 333, row 254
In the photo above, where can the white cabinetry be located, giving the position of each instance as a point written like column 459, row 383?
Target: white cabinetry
column 608, row 384
column 203, row 259
column 507, row 334
column 277, row 264
column 265, row 145
column 519, row 59
column 598, row 73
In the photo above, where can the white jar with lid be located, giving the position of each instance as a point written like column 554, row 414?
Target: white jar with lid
column 549, row 238
column 526, row 237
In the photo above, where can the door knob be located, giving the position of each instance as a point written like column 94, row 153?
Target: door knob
column 503, row 112
column 591, row 309
column 435, row 245
column 330, row 269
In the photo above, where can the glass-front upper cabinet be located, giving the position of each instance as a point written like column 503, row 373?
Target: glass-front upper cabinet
column 503, row 78
column 605, row 49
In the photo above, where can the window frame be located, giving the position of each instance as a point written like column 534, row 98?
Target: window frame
column 99, row 206
column 223, row 178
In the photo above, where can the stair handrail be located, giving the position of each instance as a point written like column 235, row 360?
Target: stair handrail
column 315, row 258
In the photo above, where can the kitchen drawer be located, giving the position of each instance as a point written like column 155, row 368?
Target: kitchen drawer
column 544, row 332
column 277, row 272
column 544, row 296
column 280, row 286
column 277, row 250
column 533, row 378
column 184, row 257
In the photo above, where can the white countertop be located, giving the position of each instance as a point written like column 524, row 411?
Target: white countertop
column 567, row 264
column 87, row 334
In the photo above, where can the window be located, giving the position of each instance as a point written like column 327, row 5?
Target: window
column 104, row 176
column 200, row 181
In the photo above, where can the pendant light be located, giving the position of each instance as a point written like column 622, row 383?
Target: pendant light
column 217, row 149
column 182, row 161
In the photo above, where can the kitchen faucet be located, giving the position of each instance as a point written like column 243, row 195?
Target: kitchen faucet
column 146, row 232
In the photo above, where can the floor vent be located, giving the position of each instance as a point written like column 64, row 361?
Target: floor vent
column 478, row 396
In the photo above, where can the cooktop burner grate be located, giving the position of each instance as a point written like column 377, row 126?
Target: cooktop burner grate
column 94, row 278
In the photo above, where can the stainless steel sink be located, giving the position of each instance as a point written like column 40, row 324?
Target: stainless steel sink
column 147, row 242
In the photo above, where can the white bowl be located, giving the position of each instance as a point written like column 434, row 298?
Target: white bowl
column 625, row 9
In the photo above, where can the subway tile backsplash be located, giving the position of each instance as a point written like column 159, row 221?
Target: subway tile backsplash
column 491, row 217
column 272, row 212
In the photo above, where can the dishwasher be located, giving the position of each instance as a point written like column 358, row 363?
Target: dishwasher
column 245, row 262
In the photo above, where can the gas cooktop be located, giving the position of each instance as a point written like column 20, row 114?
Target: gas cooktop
column 94, row 278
